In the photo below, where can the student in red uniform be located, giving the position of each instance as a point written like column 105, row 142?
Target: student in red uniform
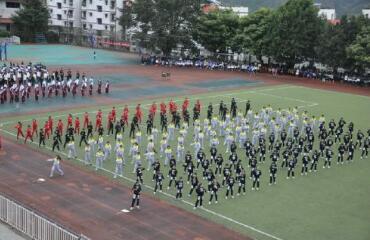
column 28, row 134
column 86, row 119
column 69, row 120
column 99, row 113
column 110, row 124
column 60, row 127
column 153, row 110
column 50, row 122
column 185, row 105
column 163, row 108
column 114, row 114
column 98, row 122
column 125, row 115
column 19, row 130
column 139, row 113
column 197, row 105
column 77, row 125
column 34, row 127
column 47, row 129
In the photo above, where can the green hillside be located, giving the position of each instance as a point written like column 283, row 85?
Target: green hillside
column 342, row 7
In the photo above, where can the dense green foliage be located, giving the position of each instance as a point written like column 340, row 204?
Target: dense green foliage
column 343, row 7
column 31, row 19
column 291, row 34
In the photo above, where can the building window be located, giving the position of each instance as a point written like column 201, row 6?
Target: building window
column 65, row 11
column 84, row 26
column 106, row 15
column 106, row 2
column 83, row 3
column 70, row 13
column 59, row 16
column 83, row 15
column 50, row 10
column 13, row 5
column 100, row 9
column 90, row 14
column 71, row 24
column 99, row 21
column 59, row 5
column 106, row 27
column 90, row 26
column 71, row 3
column 65, row 23
column 112, row 28
column 90, row 1
column 64, row 1
column 112, row 4
column 112, row 17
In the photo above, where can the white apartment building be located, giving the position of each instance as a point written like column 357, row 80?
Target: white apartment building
column 240, row 11
column 366, row 13
column 328, row 14
column 7, row 10
column 64, row 13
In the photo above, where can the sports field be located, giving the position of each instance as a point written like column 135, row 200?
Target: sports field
column 330, row 204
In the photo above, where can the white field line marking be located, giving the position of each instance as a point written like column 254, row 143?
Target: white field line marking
column 169, row 195
column 179, row 100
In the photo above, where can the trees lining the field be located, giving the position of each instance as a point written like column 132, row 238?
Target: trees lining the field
column 31, row 19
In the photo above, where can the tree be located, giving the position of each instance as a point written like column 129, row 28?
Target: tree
column 359, row 50
column 126, row 20
column 294, row 32
column 216, row 30
column 331, row 49
column 252, row 32
column 31, row 19
column 164, row 24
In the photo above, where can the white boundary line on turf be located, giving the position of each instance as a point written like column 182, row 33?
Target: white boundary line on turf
column 193, row 98
column 170, row 196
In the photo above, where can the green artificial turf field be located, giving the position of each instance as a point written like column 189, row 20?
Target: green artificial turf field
column 330, row 204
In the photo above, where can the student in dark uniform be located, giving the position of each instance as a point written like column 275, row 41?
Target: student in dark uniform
column 83, row 137
column 328, row 156
column 89, row 130
column 194, row 183
column 256, row 179
column 226, row 173
column 271, row 141
column 332, row 126
column 190, row 170
column 100, row 131
column 158, row 181
column 156, row 168
column 149, row 125
column 253, row 166
column 55, row 143
column 67, row 138
column 305, row 160
column 118, row 129
column 351, row 151
column 233, row 159
column 283, row 136
column 209, row 177
column 219, row 161
column 291, row 168
column 179, row 187
column 262, row 150
column 41, row 137
column 241, row 182
column 213, row 152
column 136, row 189
column 315, row 160
column 286, row 155
column 132, row 129
column 188, row 159
column 139, row 173
column 200, row 157
column 172, row 173
column 214, row 189
column 338, row 133
column 205, row 166
column 365, row 148
column 209, row 112
column 273, row 171
column 200, row 193
column 360, row 137
column 322, row 147
column 341, row 151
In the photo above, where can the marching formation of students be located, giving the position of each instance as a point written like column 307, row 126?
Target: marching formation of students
column 18, row 83
column 224, row 150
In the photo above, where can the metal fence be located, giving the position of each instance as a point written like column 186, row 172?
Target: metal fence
column 32, row 224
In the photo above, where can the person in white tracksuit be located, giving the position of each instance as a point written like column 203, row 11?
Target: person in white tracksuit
column 56, row 166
